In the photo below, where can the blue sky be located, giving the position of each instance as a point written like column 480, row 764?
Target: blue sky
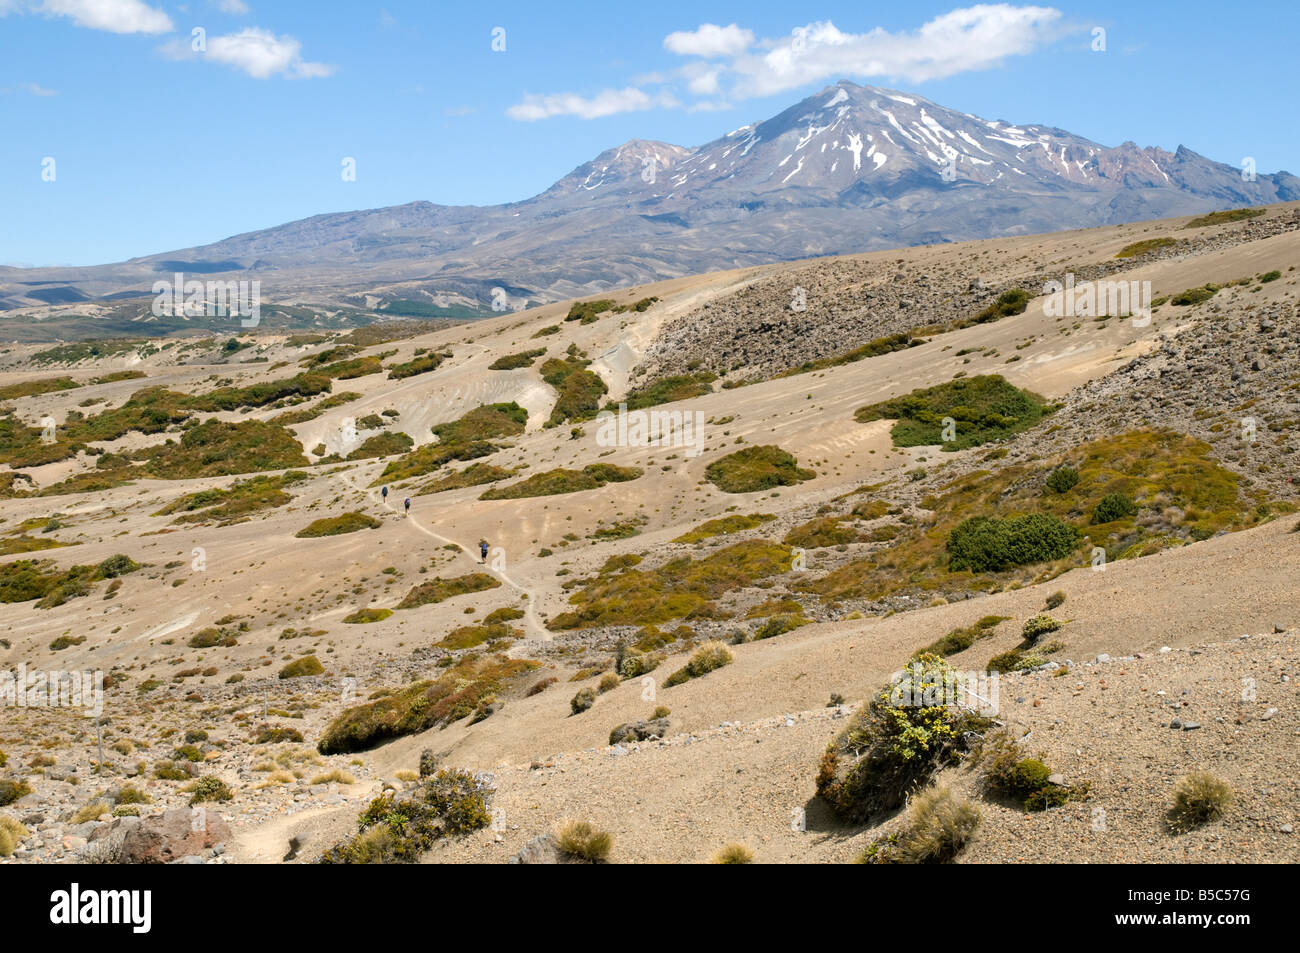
column 157, row 146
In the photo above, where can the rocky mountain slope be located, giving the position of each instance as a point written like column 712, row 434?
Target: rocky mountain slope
column 850, row 169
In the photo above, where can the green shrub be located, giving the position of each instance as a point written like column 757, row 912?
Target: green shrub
column 449, row 804
column 756, row 468
column 512, row 361
column 1194, row 295
column 554, row 482
column 1222, row 218
column 1008, row 773
column 366, row 616
column 1039, row 625
column 438, row 589
column 890, row 750
column 1063, row 479
column 211, row 789
column 337, row 525
column 1143, row 247
column 1113, row 506
column 982, row 408
column 991, row 544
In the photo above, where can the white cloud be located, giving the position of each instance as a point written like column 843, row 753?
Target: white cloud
column 259, row 53
column 232, row 6
column 605, row 103
column 962, row 40
column 37, row 90
column 710, row 40
column 114, row 16
column 728, row 64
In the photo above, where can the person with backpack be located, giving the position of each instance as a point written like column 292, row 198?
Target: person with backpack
column 408, row 506
column 384, row 493
column 483, row 549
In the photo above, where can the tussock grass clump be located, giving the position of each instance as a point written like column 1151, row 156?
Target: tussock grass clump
column 439, row 589
column 554, row 482
column 12, row 834
column 1199, row 798
column 504, row 614
column 399, row 831
column 45, row 385
column 302, row 667
column 422, row 705
column 960, row 639
column 11, row 791
column 779, row 625
column 92, row 812
column 1056, row 599
column 582, row 701
column 894, row 745
column 733, row 854
column 937, row 827
column 338, row 525
column 723, row 526
column 756, row 468
column 336, row 776
column 707, row 658
column 580, row 842
column 982, row 408
column 680, row 588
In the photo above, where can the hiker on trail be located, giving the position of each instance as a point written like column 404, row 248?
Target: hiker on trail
column 483, row 548
column 384, row 492
column 408, row 506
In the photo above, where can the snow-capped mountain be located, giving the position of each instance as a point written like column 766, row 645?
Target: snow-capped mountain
column 852, row 168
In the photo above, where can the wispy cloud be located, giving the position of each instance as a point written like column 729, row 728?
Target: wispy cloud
column 232, row 6
column 113, row 16
column 727, row 64
column 37, row 90
column 605, row 103
column 259, row 53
